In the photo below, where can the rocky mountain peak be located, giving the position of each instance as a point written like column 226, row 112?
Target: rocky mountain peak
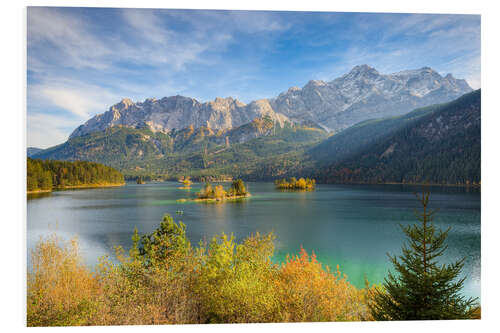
column 363, row 70
column 220, row 103
column 125, row 103
column 361, row 94
column 315, row 83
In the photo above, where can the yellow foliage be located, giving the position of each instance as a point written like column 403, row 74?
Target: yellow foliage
column 294, row 184
column 310, row 293
column 234, row 283
column 219, row 282
column 61, row 290
column 219, row 192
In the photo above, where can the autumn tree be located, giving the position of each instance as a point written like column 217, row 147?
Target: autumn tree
column 422, row 289
column 238, row 187
column 207, row 191
column 219, row 192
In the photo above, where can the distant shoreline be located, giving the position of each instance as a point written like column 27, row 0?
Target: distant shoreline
column 412, row 184
column 85, row 186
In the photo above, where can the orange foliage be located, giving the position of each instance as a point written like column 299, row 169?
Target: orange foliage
column 309, row 292
column 219, row 282
column 61, row 290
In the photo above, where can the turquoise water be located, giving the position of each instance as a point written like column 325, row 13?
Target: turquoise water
column 353, row 226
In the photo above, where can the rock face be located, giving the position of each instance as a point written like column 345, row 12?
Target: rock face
column 364, row 93
column 361, row 94
column 178, row 112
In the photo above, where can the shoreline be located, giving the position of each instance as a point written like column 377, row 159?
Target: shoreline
column 88, row 186
column 410, row 184
column 235, row 197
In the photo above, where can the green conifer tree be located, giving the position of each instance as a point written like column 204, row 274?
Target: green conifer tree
column 423, row 289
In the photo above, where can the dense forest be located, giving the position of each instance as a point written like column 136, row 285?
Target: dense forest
column 45, row 175
column 439, row 147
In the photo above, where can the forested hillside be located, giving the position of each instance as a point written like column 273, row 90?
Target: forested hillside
column 355, row 138
column 201, row 152
column 47, row 175
column 443, row 147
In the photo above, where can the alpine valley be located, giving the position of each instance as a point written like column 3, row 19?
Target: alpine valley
column 412, row 126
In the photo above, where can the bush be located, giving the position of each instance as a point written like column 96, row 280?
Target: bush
column 61, row 290
column 235, row 284
column 308, row 292
column 164, row 280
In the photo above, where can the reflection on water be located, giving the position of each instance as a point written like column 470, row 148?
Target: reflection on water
column 352, row 226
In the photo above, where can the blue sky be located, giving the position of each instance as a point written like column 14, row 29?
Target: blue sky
column 80, row 61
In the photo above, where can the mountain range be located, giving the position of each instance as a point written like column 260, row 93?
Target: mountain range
column 361, row 94
column 303, row 131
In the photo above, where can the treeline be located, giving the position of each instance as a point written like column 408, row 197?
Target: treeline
column 294, row 184
column 45, row 175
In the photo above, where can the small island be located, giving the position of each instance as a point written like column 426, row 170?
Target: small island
column 217, row 193
column 294, row 184
column 186, row 182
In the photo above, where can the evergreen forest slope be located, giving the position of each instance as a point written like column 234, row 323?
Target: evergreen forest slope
column 440, row 144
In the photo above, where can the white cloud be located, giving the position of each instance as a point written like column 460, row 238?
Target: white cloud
column 77, row 98
column 414, row 41
column 252, row 21
column 58, row 38
column 466, row 67
column 45, row 130
column 66, row 39
column 57, row 107
column 231, row 21
column 148, row 24
column 70, row 100
column 155, row 44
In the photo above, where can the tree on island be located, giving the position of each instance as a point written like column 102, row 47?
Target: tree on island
column 237, row 189
column 206, row 192
column 294, row 184
column 423, row 289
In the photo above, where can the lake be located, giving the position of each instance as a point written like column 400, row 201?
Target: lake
column 353, row 226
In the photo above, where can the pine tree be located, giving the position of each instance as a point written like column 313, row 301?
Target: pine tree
column 423, row 289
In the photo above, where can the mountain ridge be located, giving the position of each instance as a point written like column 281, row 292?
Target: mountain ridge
column 361, row 94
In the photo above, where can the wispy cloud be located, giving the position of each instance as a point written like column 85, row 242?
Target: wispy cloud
column 82, row 60
column 448, row 43
column 45, row 130
column 63, row 39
